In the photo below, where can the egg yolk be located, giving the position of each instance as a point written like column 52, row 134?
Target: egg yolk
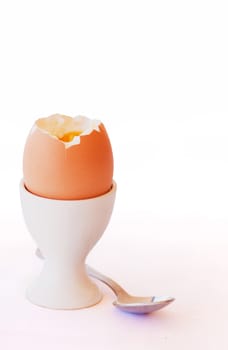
column 68, row 137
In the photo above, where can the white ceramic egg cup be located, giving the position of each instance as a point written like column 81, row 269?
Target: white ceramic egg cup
column 65, row 231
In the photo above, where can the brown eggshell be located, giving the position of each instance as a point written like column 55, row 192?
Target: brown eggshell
column 81, row 171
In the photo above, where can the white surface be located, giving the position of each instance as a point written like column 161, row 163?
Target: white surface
column 155, row 72
column 185, row 259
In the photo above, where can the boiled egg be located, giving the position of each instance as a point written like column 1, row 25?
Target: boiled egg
column 68, row 158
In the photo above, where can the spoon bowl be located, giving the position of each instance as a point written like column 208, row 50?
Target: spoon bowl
column 143, row 305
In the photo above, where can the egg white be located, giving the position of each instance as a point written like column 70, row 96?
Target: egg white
column 61, row 125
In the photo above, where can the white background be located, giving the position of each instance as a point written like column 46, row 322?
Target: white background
column 156, row 74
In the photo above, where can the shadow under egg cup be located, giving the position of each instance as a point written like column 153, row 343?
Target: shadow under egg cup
column 65, row 231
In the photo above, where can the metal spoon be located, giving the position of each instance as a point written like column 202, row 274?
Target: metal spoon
column 125, row 301
column 130, row 303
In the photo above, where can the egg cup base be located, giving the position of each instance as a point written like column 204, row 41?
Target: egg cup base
column 65, row 294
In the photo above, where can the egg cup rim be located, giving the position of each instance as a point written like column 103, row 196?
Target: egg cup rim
column 29, row 193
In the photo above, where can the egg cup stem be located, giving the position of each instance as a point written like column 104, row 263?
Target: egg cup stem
column 65, row 231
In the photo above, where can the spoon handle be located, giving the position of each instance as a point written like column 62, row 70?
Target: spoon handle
column 116, row 288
